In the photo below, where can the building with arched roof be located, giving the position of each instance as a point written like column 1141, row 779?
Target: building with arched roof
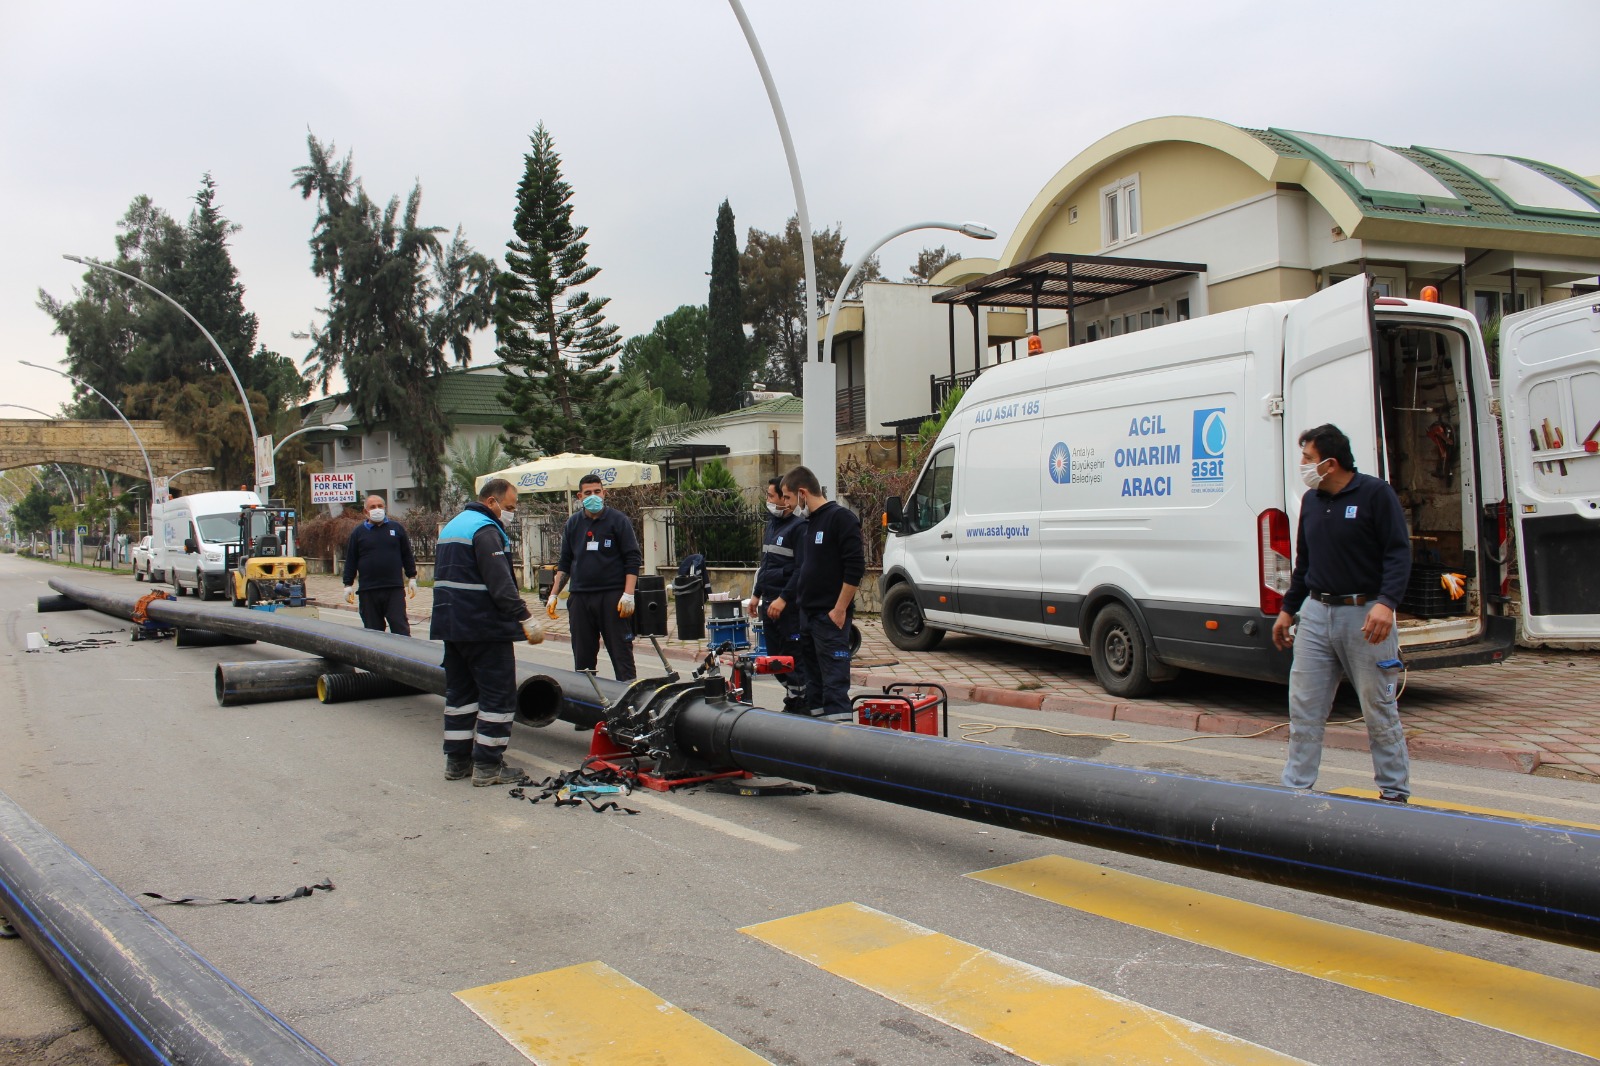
column 1176, row 217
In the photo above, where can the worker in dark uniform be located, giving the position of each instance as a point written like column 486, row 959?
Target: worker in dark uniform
column 478, row 612
column 778, row 545
column 1352, row 562
column 601, row 556
column 823, row 587
column 378, row 556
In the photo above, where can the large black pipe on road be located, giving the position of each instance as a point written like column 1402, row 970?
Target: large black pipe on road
column 1530, row 878
column 269, row 680
column 152, row 995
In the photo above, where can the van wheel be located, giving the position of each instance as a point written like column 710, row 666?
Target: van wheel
column 904, row 624
column 138, row 575
column 1121, row 661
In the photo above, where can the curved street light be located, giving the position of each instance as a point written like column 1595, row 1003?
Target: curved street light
column 968, row 229
column 250, row 418
column 336, row 427
column 149, row 473
column 817, row 429
column 60, row 471
column 192, row 470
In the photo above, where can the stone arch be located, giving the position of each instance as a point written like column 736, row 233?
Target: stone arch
column 101, row 444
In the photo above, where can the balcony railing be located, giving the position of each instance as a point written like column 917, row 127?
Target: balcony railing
column 940, row 386
column 850, row 410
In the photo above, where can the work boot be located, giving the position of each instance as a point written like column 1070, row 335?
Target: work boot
column 457, row 766
column 1392, row 797
column 498, row 774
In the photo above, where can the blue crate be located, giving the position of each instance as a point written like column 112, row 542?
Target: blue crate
column 720, row 631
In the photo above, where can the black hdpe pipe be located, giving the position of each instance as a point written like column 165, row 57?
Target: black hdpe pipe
column 154, row 997
column 189, row 637
column 342, row 688
column 1529, row 878
column 267, row 680
column 51, row 604
column 412, row 662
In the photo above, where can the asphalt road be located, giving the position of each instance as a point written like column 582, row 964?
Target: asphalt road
column 442, row 888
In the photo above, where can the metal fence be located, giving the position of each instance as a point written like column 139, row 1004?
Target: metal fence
column 725, row 538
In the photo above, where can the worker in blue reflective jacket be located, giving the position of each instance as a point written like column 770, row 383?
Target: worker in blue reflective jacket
column 779, row 543
column 478, row 612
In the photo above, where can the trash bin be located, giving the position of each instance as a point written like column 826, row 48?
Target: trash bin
column 689, row 593
column 650, row 607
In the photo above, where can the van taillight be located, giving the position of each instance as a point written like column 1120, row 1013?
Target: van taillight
column 1277, row 562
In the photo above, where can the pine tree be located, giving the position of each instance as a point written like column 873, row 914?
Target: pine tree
column 728, row 363
column 554, row 340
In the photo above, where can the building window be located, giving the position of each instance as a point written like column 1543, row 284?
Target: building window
column 1120, row 210
column 1489, row 304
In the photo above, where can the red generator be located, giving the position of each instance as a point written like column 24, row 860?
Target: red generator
column 909, row 706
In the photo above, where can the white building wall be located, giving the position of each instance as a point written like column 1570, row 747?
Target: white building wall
column 907, row 338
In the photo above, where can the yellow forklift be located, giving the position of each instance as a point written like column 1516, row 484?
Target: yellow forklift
column 263, row 566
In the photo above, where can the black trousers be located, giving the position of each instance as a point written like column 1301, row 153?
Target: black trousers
column 825, row 648
column 480, row 699
column 384, row 606
column 592, row 617
column 783, row 638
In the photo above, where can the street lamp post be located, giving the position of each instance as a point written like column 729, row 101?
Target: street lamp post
column 60, row 471
column 969, row 229
column 250, row 418
column 336, row 427
column 191, row 470
column 149, row 473
column 817, row 429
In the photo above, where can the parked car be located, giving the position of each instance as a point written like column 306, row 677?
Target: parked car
column 141, row 560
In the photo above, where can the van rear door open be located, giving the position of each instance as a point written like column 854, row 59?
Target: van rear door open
column 1550, row 404
column 1328, row 377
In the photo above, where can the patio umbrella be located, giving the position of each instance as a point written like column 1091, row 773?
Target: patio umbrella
column 561, row 473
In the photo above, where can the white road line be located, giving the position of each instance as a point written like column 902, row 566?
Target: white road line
column 1481, row 790
column 659, row 802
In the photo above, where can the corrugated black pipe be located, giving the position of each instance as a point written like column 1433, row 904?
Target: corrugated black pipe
column 267, row 680
column 153, row 996
column 1529, row 878
column 342, row 688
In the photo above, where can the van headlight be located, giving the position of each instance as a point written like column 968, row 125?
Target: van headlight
column 213, row 557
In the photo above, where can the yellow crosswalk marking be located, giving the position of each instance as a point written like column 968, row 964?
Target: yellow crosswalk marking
column 1547, row 1009
column 587, row 1014
column 1041, row 1016
column 1367, row 793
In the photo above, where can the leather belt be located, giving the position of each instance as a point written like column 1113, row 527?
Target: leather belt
column 1356, row 600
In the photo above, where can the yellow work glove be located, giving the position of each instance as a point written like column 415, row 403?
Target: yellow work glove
column 350, row 594
column 534, row 631
column 625, row 605
column 550, row 607
column 411, row 589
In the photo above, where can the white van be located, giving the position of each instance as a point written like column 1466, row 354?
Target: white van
column 192, row 536
column 1136, row 497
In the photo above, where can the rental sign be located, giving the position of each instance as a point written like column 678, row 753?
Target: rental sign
column 333, row 488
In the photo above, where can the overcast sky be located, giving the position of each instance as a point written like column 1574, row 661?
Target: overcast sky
column 901, row 111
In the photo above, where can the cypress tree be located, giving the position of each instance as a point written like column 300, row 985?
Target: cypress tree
column 553, row 338
column 727, row 351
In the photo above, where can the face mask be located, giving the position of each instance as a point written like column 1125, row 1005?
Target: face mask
column 376, row 516
column 593, row 504
column 774, row 510
column 802, row 510
column 1308, row 474
column 508, row 515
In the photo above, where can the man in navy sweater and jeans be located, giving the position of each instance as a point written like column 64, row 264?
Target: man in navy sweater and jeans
column 823, row 587
column 1352, row 562
column 600, row 553
column 378, row 554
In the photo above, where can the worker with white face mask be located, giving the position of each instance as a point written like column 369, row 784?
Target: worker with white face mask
column 1352, row 562
column 378, row 556
column 779, row 543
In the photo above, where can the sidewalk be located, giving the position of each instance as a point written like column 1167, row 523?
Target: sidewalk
column 1539, row 710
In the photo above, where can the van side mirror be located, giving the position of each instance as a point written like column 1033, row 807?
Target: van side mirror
column 189, row 546
column 893, row 513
